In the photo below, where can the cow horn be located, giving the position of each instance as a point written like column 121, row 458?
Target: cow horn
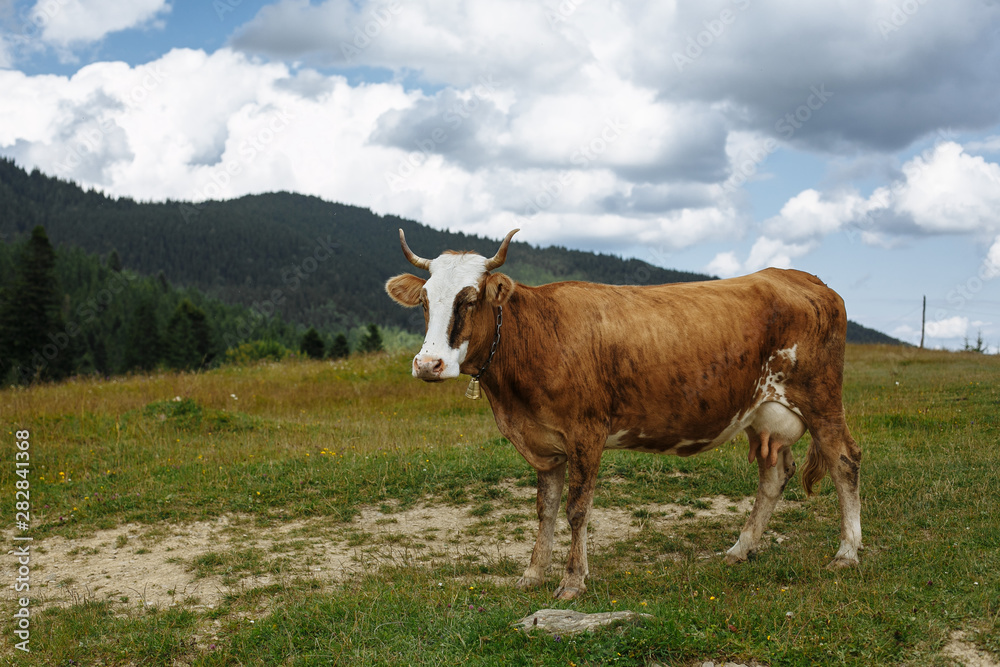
column 501, row 256
column 416, row 261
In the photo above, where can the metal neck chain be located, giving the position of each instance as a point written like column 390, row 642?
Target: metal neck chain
column 496, row 340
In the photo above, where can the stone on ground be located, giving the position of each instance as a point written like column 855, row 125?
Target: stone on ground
column 569, row 622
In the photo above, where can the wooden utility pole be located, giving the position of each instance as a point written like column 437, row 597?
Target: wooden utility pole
column 923, row 322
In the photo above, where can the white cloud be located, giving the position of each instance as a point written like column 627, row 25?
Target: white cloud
column 991, row 265
column 544, row 46
column 725, row 265
column 905, row 332
column 444, row 42
column 951, row 327
column 949, row 191
column 537, row 146
column 191, row 126
column 69, row 22
column 196, row 126
column 990, row 144
column 808, row 216
column 765, row 252
column 774, row 252
column 6, row 58
column 942, row 191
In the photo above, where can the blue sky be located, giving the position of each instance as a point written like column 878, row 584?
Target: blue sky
column 856, row 140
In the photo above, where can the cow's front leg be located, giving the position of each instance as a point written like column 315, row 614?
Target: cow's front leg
column 582, row 480
column 772, row 481
column 550, row 488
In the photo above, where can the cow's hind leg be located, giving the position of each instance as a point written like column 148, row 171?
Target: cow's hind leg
column 833, row 450
column 550, row 488
column 772, row 481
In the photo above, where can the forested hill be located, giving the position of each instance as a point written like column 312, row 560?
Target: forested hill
column 323, row 263
column 326, row 262
column 861, row 334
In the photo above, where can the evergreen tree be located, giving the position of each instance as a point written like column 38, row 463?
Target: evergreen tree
column 371, row 341
column 115, row 262
column 33, row 333
column 188, row 339
column 96, row 359
column 6, row 353
column 312, row 344
column 144, row 346
column 340, row 347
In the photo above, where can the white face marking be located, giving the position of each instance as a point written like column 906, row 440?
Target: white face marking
column 450, row 274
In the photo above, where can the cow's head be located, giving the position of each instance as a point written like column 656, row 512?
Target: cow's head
column 459, row 301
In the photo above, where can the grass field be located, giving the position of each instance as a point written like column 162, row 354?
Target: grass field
column 278, row 466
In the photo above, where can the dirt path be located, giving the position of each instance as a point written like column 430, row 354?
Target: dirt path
column 167, row 564
column 200, row 563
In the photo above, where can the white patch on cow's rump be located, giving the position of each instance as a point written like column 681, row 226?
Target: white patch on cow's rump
column 771, row 384
column 787, row 354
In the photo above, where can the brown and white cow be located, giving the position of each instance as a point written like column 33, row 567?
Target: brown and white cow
column 578, row 368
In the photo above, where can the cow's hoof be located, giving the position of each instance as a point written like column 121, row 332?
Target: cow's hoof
column 735, row 558
column 841, row 562
column 568, row 593
column 528, row 582
column 738, row 554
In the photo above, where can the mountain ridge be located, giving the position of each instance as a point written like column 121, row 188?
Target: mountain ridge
column 315, row 262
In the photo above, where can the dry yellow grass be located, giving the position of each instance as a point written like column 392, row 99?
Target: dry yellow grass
column 365, row 402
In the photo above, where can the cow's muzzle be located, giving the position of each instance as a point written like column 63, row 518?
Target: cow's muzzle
column 428, row 368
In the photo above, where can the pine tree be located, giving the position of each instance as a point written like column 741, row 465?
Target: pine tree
column 312, row 344
column 33, row 331
column 372, row 341
column 6, row 358
column 143, row 347
column 340, row 347
column 188, row 339
column 114, row 261
column 96, row 359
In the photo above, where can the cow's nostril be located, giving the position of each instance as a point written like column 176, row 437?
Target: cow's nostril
column 438, row 366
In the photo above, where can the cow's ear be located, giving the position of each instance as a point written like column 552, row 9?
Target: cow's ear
column 405, row 289
column 498, row 288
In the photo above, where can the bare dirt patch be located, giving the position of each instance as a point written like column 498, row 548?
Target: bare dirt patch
column 199, row 563
column 966, row 653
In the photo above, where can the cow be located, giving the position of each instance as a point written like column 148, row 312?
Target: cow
column 572, row 369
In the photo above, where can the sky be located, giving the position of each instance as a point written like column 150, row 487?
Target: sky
column 859, row 141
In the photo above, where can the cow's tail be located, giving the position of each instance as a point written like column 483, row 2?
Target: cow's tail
column 814, row 468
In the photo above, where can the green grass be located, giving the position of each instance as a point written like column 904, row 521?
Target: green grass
column 309, row 440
